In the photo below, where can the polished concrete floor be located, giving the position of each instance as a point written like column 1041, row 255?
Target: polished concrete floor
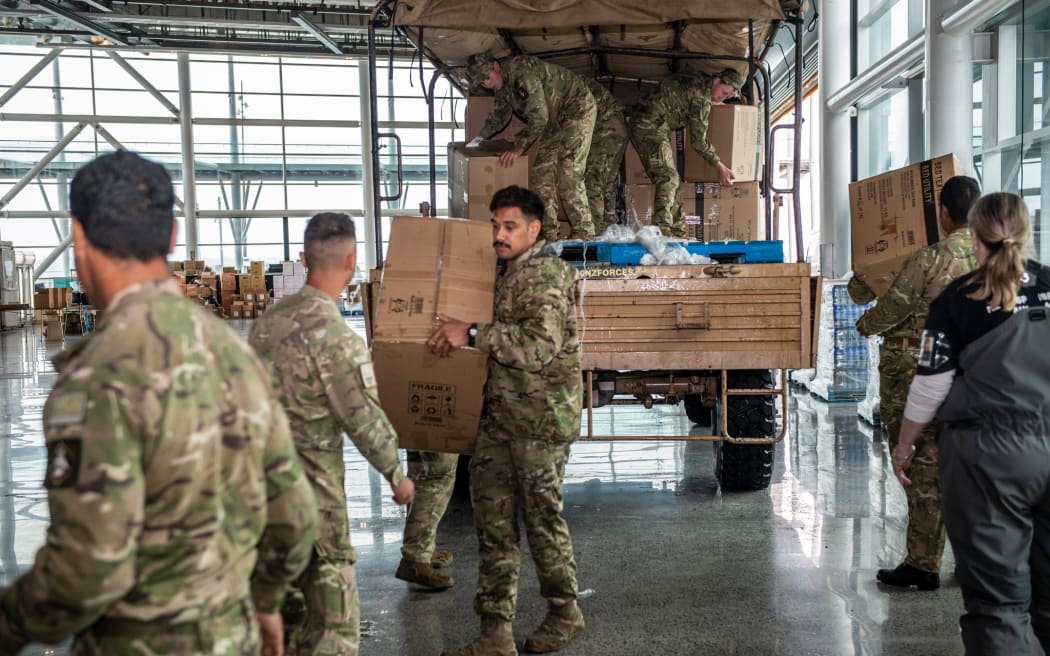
column 668, row 564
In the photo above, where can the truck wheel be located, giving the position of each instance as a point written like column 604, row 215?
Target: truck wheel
column 696, row 411
column 748, row 466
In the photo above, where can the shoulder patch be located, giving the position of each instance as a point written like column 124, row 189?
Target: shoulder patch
column 67, row 409
column 368, row 375
column 63, row 463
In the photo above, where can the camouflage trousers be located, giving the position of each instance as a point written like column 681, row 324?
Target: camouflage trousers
column 608, row 144
column 322, row 615
column 233, row 632
column 926, row 534
column 508, row 475
column 434, row 475
column 654, row 142
column 558, row 172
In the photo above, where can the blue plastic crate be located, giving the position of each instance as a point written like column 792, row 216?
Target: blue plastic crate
column 742, row 252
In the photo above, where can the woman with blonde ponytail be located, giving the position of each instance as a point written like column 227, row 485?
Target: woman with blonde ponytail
column 984, row 370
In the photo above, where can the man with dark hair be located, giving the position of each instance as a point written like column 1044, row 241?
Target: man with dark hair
column 899, row 316
column 179, row 510
column 682, row 100
column 531, row 417
column 323, row 373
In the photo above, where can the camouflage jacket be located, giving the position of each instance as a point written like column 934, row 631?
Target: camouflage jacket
column 683, row 100
column 901, row 311
column 534, row 387
column 323, row 374
column 172, row 479
column 609, row 111
column 541, row 94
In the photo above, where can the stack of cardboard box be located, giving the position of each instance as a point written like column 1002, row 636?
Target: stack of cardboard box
column 52, row 298
column 289, row 281
column 475, row 174
column 432, row 266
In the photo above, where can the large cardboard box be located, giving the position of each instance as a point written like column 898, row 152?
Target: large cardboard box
column 717, row 213
column 478, row 110
column 736, row 134
column 432, row 266
column 895, row 214
column 474, row 174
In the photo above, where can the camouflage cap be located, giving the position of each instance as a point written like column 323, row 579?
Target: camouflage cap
column 732, row 77
column 478, row 68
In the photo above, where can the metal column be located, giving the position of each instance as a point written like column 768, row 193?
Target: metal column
column 948, row 101
column 369, row 159
column 189, row 182
column 834, row 40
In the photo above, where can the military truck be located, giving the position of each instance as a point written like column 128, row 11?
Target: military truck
column 717, row 337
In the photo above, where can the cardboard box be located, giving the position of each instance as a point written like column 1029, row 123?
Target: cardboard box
column 474, row 174
column 894, row 214
column 258, row 283
column 638, row 204
column 54, row 329
column 287, row 268
column 432, row 265
column 257, row 268
column 736, row 135
column 717, row 213
column 228, row 282
column 477, row 112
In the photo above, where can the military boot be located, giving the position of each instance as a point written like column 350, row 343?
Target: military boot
column 496, row 639
column 423, row 574
column 562, row 624
column 905, row 576
column 442, row 558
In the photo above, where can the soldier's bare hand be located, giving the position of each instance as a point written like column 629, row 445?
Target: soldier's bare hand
column 725, row 176
column 404, row 491
column 508, row 157
column 450, row 335
column 272, row 629
column 901, row 457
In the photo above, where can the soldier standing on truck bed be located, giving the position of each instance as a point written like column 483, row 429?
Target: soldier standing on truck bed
column 559, row 114
column 323, row 373
column 531, row 417
column 608, row 145
column 179, row 510
column 899, row 316
column 682, row 100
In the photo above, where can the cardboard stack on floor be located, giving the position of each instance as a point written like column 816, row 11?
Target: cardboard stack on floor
column 236, row 296
column 894, row 214
column 712, row 212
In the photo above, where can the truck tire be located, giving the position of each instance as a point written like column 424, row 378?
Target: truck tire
column 696, row 411
column 748, row 466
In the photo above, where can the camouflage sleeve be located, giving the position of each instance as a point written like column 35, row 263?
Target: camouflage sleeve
column 898, row 303
column 859, row 291
column 533, row 337
column 698, row 129
column 536, row 115
column 349, row 382
column 498, row 119
column 286, row 545
column 95, row 490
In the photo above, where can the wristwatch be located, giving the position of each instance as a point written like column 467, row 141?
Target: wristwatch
column 472, row 334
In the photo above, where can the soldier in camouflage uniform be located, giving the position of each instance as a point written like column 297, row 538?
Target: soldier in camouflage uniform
column 531, row 416
column 899, row 316
column 179, row 510
column 682, row 100
column 324, row 377
column 608, row 145
column 434, row 475
column 559, row 114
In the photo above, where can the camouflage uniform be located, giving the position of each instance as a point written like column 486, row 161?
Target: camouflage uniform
column 323, row 373
column 608, row 145
column 559, row 114
column 899, row 317
column 682, row 100
column 533, row 400
column 172, row 482
column 434, row 475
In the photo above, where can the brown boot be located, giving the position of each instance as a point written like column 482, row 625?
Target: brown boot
column 562, row 624
column 441, row 559
column 496, row 639
column 423, row 574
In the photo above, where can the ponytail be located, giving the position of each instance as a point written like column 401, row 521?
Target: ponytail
column 1001, row 222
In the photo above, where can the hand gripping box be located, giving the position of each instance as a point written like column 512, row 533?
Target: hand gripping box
column 432, row 266
column 894, row 214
